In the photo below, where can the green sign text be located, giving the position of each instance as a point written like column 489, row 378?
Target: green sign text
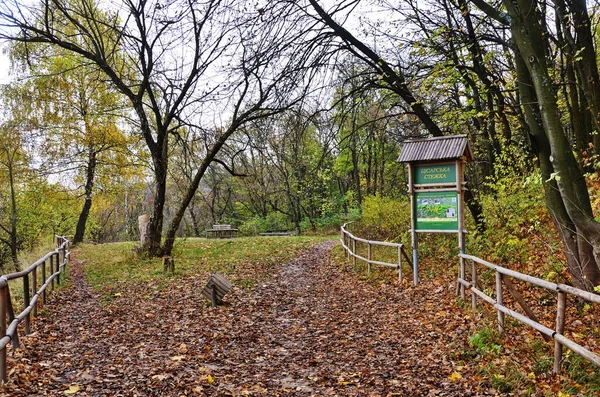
column 434, row 174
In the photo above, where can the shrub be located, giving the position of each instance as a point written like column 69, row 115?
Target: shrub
column 385, row 218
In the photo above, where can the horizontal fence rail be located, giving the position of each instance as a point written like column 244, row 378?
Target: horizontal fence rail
column 348, row 241
column 51, row 267
column 561, row 290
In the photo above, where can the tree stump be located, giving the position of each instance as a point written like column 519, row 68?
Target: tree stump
column 143, row 221
column 168, row 264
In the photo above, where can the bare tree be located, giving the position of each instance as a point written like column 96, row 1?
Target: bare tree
column 179, row 64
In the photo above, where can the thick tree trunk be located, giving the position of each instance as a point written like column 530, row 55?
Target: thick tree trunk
column 160, row 163
column 565, row 186
column 87, row 205
column 154, row 232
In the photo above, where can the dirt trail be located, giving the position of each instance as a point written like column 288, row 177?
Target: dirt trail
column 311, row 330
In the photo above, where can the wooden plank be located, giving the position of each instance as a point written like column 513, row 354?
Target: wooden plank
column 26, row 302
column 222, row 280
column 499, row 299
column 561, row 305
column 519, row 276
column 207, row 291
column 3, row 376
column 216, row 288
column 519, row 298
column 11, row 316
column 219, row 290
column 473, row 282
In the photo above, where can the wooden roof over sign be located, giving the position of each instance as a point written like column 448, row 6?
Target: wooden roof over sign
column 439, row 148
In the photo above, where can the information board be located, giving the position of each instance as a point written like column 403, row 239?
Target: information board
column 436, row 211
column 435, row 174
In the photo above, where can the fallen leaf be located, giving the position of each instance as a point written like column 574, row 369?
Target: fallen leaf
column 455, row 377
column 210, row 379
column 177, row 358
column 72, row 389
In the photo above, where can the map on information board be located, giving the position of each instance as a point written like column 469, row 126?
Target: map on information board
column 436, row 211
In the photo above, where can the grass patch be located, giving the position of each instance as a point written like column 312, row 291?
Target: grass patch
column 247, row 259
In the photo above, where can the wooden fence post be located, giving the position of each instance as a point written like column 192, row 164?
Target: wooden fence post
column 499, row 300
column 34, row 290
column 354, row 252
column 369, row 257
column 3, row 287
column 10, row 311
column 52, row 271
column 44, row 281
column 347, row 243
column 400, row 263
column 474, row 284
column 67, row 263
column 60, row 260
column 462, row 276
column 26, row 302
column 561, row 304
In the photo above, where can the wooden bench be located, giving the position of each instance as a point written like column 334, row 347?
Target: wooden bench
column 221, row 231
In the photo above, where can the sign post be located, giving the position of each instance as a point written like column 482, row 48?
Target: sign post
column 436, row 186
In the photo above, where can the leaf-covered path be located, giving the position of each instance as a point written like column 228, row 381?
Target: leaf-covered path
column 312, row 329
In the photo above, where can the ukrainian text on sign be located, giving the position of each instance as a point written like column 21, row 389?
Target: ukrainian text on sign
column 435, row 174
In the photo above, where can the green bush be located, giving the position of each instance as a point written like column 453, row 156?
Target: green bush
column 273, row 221
column 253, row 226
column 385, row 218
column 519, row 228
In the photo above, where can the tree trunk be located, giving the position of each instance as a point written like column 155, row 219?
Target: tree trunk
column 565, row 186
column 87, row 205
column 354, row 152
column 585, row 63
column 14, row 242
column 154, row 232
column 210, row 156
column 194, row 221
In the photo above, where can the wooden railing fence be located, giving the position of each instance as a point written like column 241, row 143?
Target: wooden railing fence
column 57, row 261
column 502, row 277
column 349, row 241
